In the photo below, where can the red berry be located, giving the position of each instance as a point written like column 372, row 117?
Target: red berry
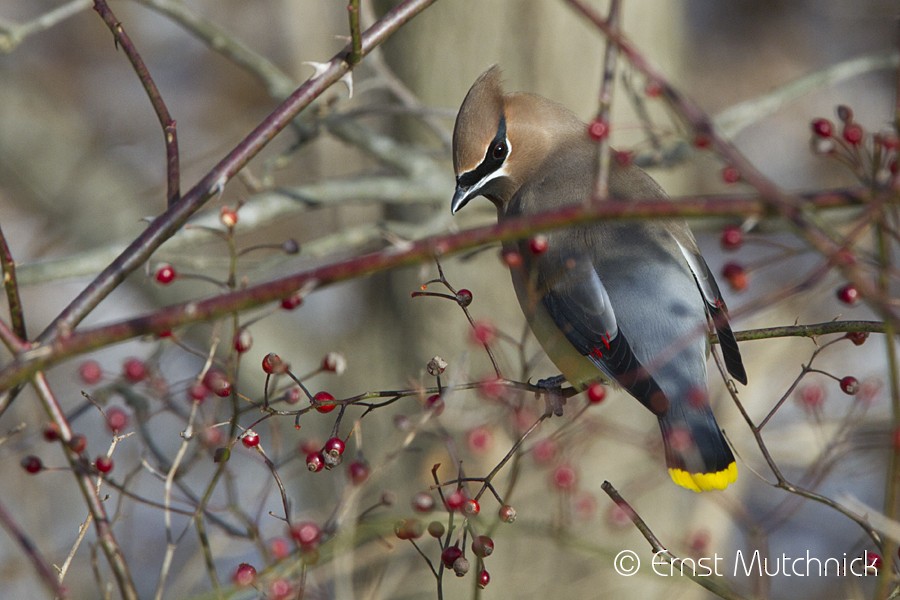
column 280, row 589
column 315, row 462
column 480, row 439
column 104, row 464
column 811, row 397
column 484, row 578
column 652, row 89
column 423, row 502
column 507, row 513
column 492, row 389
column 858, row 337
column 596, row 393
column 307, row 534
column 736, row 276
column 250, row 439
column 538, row 244
column 873, row 560
column 623, row 158
column 564, row 477
column 324, row 402
column 464, row 297
column 334, row 362
column 292, row 301
column 822, row 128
column 243, row 340
column 511, row 259
column 702, row 141
column 77, row 443
column 134, row 370
column 116, row 419
column 435, row 404
column 853, row 133
column 272, row 363
column 90, row 372
column 279, row 548
column 217, row 382
column 198, row 392
column 228, row 216
column 598, row 129
column 731, row 174
column 358, row 471
column 32, row 464
column 334, row 446
column 483, row 332
column 244, row 575
column 848, row 294
column 165, row 274
column 455, row 499
column 849, row 385
column 449, row 555
column 732, row 237
column 471, row 508
column 482, row 546
column 51, row 432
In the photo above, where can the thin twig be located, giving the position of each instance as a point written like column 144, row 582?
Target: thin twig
column 607, row 83
column 10, row 283
column 29, row 549
column 355, row 54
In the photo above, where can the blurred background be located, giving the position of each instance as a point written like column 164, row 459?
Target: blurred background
column 82, row 167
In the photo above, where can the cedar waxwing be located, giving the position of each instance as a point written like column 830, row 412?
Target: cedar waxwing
column 628, row 302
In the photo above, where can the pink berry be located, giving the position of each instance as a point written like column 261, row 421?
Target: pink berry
column 307, row 534
column 849, row 385
column 598, row 129
column 358, row 471
column 32, row 464
column 736, row 276
column 90, row 372
column 564, row 477
column 116, row 419
column 324, row 402
column 464, row 297
column 244, row 575
column 480, row 439
column 511, row 259
column 853, row 133
column 822, row 128
column 538, row 244
column 280, row 589
column 545, row 451
column 811, row 397
column 243, row 340
column 134, row 370
column 623, row 158
column 848, row 294
column 484, row 578
column 596, row 393
column 652, row 89
column 731, row 174
column 483, row 332
column 482, row 546
column 423, row 502
column 455, row 499
column 315, row 462
column 165, row 274
column 492, row 389
column 198, row 392
column 250, row 439
column 280, row 548
column 217, row 382
column 228, row 217
column 104, row 464
column 732, row 237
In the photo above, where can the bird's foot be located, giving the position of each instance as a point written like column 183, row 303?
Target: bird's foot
column 554, row 396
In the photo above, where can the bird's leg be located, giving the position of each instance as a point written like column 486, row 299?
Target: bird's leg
column 554, row 395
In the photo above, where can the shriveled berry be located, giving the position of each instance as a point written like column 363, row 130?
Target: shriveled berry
column 78, row 443
column 732, row 237
column 848, row 294
column 307, row 534
column 844, row 113
column 464, row 297
column 32, row 464
column 507, row 513
column 436, row 366
column 104, row 464
column 250, row 439
column 858, row 337
column 849, row 385
column 484, row 578
column 436, row 529
column 822, row 128
column 315, row 462
column 422, row 502
column 90, row 372
column 596, row 393
column 449, row 555
column 461, row 566
column 324, row 402
column 134, row 370
column 290, row 246
column 165, row 274
column 334, row 362
column 538, row 244
column 736, row 276
column 244, row 575
column 409, row 529
column 482, row 546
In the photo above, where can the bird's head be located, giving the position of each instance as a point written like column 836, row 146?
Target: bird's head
column 501, row 139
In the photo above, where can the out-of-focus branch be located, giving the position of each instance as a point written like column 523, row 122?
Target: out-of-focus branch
column 170, row 132
column 11, row 285
column 13, row 34
column 29, row 549
column 600, row 127
column 164, row 226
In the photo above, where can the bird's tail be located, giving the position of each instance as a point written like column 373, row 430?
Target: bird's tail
column 697, row 454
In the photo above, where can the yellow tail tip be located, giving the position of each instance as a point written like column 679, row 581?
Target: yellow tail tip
column 704, row 482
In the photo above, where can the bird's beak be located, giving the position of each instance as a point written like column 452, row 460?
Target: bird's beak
column 460, row 198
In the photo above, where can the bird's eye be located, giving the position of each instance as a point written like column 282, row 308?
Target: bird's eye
column 498, row 152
